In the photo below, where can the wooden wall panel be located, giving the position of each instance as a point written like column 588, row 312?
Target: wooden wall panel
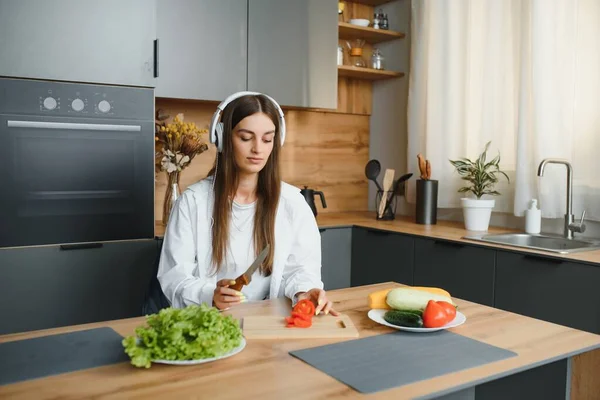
column 324, row 151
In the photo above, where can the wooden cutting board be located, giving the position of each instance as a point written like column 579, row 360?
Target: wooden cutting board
column 274, row 327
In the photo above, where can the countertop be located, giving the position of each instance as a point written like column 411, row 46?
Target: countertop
column 444, row 230
column 253, row 373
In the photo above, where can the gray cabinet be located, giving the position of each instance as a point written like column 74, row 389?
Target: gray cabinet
column 46, row 287
column 336, row 252
column 381, row 256
column 292, row 47
column 467, row 272
column 549, row 289
column 110, row 42
column 203, row 48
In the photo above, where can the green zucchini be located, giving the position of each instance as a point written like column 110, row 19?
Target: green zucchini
column 404, row 318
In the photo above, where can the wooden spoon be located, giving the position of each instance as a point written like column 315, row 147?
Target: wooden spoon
column 388, row 180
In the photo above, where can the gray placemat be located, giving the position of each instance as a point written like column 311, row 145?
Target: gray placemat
column 396, row 359
column 56, row 354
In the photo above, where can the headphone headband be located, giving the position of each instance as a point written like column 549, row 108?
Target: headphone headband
column 216, row 127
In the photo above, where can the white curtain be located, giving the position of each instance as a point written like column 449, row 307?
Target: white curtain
column 523, row 74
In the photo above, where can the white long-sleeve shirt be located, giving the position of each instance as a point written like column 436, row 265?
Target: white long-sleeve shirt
column 185, row 272
column 241, row 253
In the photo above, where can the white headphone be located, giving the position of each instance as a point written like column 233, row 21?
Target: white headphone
column 216, row 127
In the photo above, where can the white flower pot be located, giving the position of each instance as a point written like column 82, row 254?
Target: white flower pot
column 477, row 214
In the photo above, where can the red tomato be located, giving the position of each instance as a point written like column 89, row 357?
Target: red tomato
column 304, row 306
column 302, row 323
column 306, row 317
column 435, row 315
column 449, row 308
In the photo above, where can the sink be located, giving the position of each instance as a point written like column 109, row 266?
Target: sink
column 555, row 244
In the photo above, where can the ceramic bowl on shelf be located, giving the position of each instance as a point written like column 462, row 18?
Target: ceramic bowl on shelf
column 360, row 22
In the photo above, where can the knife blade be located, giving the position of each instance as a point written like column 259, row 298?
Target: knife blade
column 246, row 277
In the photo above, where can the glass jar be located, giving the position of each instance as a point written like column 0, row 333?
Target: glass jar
column 377, row 60
column 340, row 55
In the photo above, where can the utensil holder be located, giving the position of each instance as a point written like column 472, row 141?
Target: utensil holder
column 389, row 213
column 427, row 200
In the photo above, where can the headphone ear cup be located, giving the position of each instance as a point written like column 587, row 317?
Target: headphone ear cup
column 219, row 136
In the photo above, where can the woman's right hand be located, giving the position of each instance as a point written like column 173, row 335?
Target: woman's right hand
column 225, row 297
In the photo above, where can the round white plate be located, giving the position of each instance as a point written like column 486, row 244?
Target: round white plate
column 204, row 360
column 377, row 316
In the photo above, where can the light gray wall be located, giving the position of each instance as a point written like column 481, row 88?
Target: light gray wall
column 388, row 129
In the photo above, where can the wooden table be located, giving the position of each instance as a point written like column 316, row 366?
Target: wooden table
column 265, row 370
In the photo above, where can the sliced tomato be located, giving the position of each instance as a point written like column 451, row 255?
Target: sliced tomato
column 302, row 323
column 289, row 320
column 306, row 317
column 305, row 306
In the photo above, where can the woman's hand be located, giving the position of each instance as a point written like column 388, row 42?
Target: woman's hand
column 225, row 297
column 320, row 300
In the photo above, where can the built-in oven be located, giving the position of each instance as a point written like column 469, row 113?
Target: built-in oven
column 78, row 163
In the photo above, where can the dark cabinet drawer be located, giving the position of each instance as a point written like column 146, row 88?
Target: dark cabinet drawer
column 47, row 287
column 467, row 272
column 381, row 256
column 336, row 251
column 565, row 293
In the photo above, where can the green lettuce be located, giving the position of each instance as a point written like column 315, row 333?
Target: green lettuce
column 191, row 333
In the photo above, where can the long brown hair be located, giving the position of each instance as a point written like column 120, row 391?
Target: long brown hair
column 268, row 188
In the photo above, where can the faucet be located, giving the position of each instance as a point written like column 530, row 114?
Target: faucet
column 570, row 226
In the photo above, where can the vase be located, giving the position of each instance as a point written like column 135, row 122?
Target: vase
column 171, row 195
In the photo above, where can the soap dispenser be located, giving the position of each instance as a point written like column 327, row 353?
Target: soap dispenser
column 533, row 218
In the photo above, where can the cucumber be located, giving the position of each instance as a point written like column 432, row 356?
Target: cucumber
column 404, row 318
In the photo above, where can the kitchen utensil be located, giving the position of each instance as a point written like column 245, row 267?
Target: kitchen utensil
column 355, row 48
column 388, row 179
column 422, row 166
column 309, row 196
column 372, row 171
column 400, row 180
column 390, row 206
column 274, row 327
column 377, row 316
column 246, row 277
column 427, row 200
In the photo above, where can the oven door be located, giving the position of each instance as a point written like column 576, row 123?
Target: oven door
column 75, row 180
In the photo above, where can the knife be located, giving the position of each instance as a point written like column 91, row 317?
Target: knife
column 246, row 277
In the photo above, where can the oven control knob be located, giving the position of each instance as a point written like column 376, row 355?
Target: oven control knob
column 50, row 103
column 77, row 105
column 104, row 106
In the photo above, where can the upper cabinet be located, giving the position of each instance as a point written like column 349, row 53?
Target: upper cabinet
column 292, row 51
column 110, row 42
column 203, row 48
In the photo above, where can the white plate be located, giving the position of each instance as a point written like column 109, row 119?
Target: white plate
column 377, row 316
column 204, row 360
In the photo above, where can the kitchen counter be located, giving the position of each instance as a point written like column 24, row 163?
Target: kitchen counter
column 264, row 369
column 445, row 230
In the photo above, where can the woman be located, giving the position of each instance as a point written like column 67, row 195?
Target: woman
column 220, row 224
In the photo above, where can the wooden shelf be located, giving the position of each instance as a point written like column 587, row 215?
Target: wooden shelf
column 370, row 35
column 372, row 3
column 367, row 73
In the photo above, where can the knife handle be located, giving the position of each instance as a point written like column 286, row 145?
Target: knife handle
column 239, row 283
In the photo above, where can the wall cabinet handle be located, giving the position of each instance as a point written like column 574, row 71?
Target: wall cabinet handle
column 445, row 243
column 81, row 246
column 380, row 233
column 542, row 259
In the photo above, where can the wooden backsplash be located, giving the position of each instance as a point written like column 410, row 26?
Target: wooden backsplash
column 325, row 151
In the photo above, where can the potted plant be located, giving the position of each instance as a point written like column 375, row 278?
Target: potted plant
column 482, row 177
